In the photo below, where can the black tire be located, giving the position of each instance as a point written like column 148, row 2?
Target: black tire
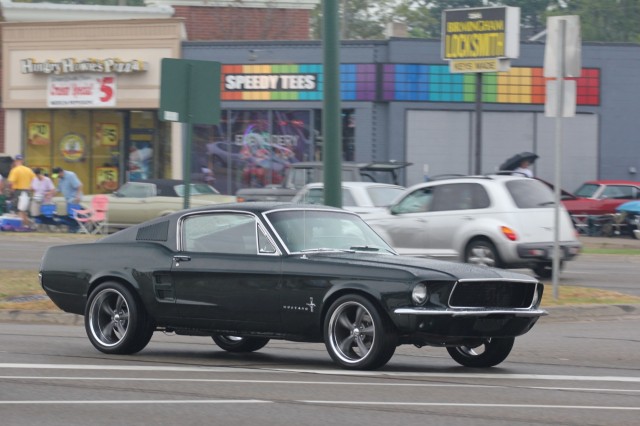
column 482, row 252
column 239, row 344
column 489, row 353
column 357, row 336
column 115, row 321
column 544, row 270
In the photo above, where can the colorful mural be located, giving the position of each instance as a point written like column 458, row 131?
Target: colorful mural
column 396, row 83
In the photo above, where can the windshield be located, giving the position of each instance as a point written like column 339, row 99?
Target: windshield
column 196, row 189
column 587, row 190
column 318, row 230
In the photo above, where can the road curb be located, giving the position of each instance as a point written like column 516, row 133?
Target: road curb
column 556, row 314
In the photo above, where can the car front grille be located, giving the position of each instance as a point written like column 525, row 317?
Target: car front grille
column 492, row 294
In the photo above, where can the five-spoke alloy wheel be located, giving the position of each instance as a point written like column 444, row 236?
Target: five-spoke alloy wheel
column 115, row 321
column 356, row 335
column 489, row 353
column 239, row 344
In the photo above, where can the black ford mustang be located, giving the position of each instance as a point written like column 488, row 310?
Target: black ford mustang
column 246, row 273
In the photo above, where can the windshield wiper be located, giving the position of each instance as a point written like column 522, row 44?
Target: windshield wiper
column 364, row 248
column 326, row 249
column 546, row 203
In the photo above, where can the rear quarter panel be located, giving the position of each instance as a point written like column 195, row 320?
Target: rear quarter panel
column 70, row 272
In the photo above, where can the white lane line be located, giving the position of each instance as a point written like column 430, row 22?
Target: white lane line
column 308, row 382
column 456, row 404
column 203, row 369
column 144, row 401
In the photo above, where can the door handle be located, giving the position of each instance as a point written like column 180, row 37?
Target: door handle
column 179, row 259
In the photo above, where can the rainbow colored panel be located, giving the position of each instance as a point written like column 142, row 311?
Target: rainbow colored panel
column 395, row 83
column 520, row 85
column 294, row 82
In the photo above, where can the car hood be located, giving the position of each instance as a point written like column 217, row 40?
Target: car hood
column 408, row 267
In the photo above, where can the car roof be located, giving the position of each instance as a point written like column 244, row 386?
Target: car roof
column 372, row 166
column 612, row 182
column 355, row 184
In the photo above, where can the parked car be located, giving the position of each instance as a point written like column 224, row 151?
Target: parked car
column 599, row 197
column 359, row 197
column 299, row 174
column 593, row 206
column 499, row 220
column 246, row 273
column 136, row 202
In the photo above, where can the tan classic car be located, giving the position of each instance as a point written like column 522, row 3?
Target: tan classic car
column 137, row 202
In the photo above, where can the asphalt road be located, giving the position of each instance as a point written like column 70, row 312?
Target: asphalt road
column 559, row 374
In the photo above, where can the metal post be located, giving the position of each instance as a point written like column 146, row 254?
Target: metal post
column 558, row 151
column 331, row 123
column 478, row 163
column 186, row 173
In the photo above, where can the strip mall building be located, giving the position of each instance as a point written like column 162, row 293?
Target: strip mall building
column 399, row 102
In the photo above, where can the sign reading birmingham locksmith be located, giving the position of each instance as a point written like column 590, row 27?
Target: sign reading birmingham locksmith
column 479, row 39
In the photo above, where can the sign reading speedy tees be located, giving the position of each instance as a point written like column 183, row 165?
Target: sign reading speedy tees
column 268, row 82
column 478, row 39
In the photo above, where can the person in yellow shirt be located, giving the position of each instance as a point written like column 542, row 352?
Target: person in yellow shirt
column 19, row 180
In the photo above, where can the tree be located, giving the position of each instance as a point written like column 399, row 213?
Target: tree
column 606, row 20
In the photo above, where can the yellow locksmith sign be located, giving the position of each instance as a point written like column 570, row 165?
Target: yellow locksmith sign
column 469, row 35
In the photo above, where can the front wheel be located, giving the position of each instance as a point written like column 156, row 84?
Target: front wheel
column 489, row 353
column 239, row 344
column 115, row 322
column 357, row 336
column 482, row 252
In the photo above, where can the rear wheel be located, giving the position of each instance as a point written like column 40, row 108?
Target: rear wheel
column 482, row 252
column 357, row 336
column 239, row 344
column 545, row 269
column 489, row 353
column 115, row 321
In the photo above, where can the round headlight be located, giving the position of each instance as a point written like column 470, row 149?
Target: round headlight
column 419, row 294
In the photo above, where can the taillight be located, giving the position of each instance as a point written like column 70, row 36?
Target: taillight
column 509, row 233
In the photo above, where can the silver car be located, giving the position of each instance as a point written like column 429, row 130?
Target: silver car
column 498, row 220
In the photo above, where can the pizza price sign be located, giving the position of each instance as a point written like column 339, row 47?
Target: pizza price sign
column 107, row 179
column 81, row 90
column 39, row 133
column 109, row 134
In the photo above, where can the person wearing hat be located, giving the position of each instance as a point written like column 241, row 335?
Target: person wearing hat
column 19, row 180
column 71, row 188
column 43, row 189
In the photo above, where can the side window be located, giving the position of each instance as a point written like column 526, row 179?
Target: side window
column 621, row 192
column 230, row 233
column 417, row 202
column 460, row 196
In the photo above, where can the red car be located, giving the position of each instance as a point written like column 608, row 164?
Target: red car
column 600, row 197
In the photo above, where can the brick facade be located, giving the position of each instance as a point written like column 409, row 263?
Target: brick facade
column 230, row 23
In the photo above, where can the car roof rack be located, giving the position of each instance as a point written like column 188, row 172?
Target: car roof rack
column 457, row 176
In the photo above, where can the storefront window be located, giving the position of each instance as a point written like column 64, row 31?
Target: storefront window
column 105, row 148
column 254, row 148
